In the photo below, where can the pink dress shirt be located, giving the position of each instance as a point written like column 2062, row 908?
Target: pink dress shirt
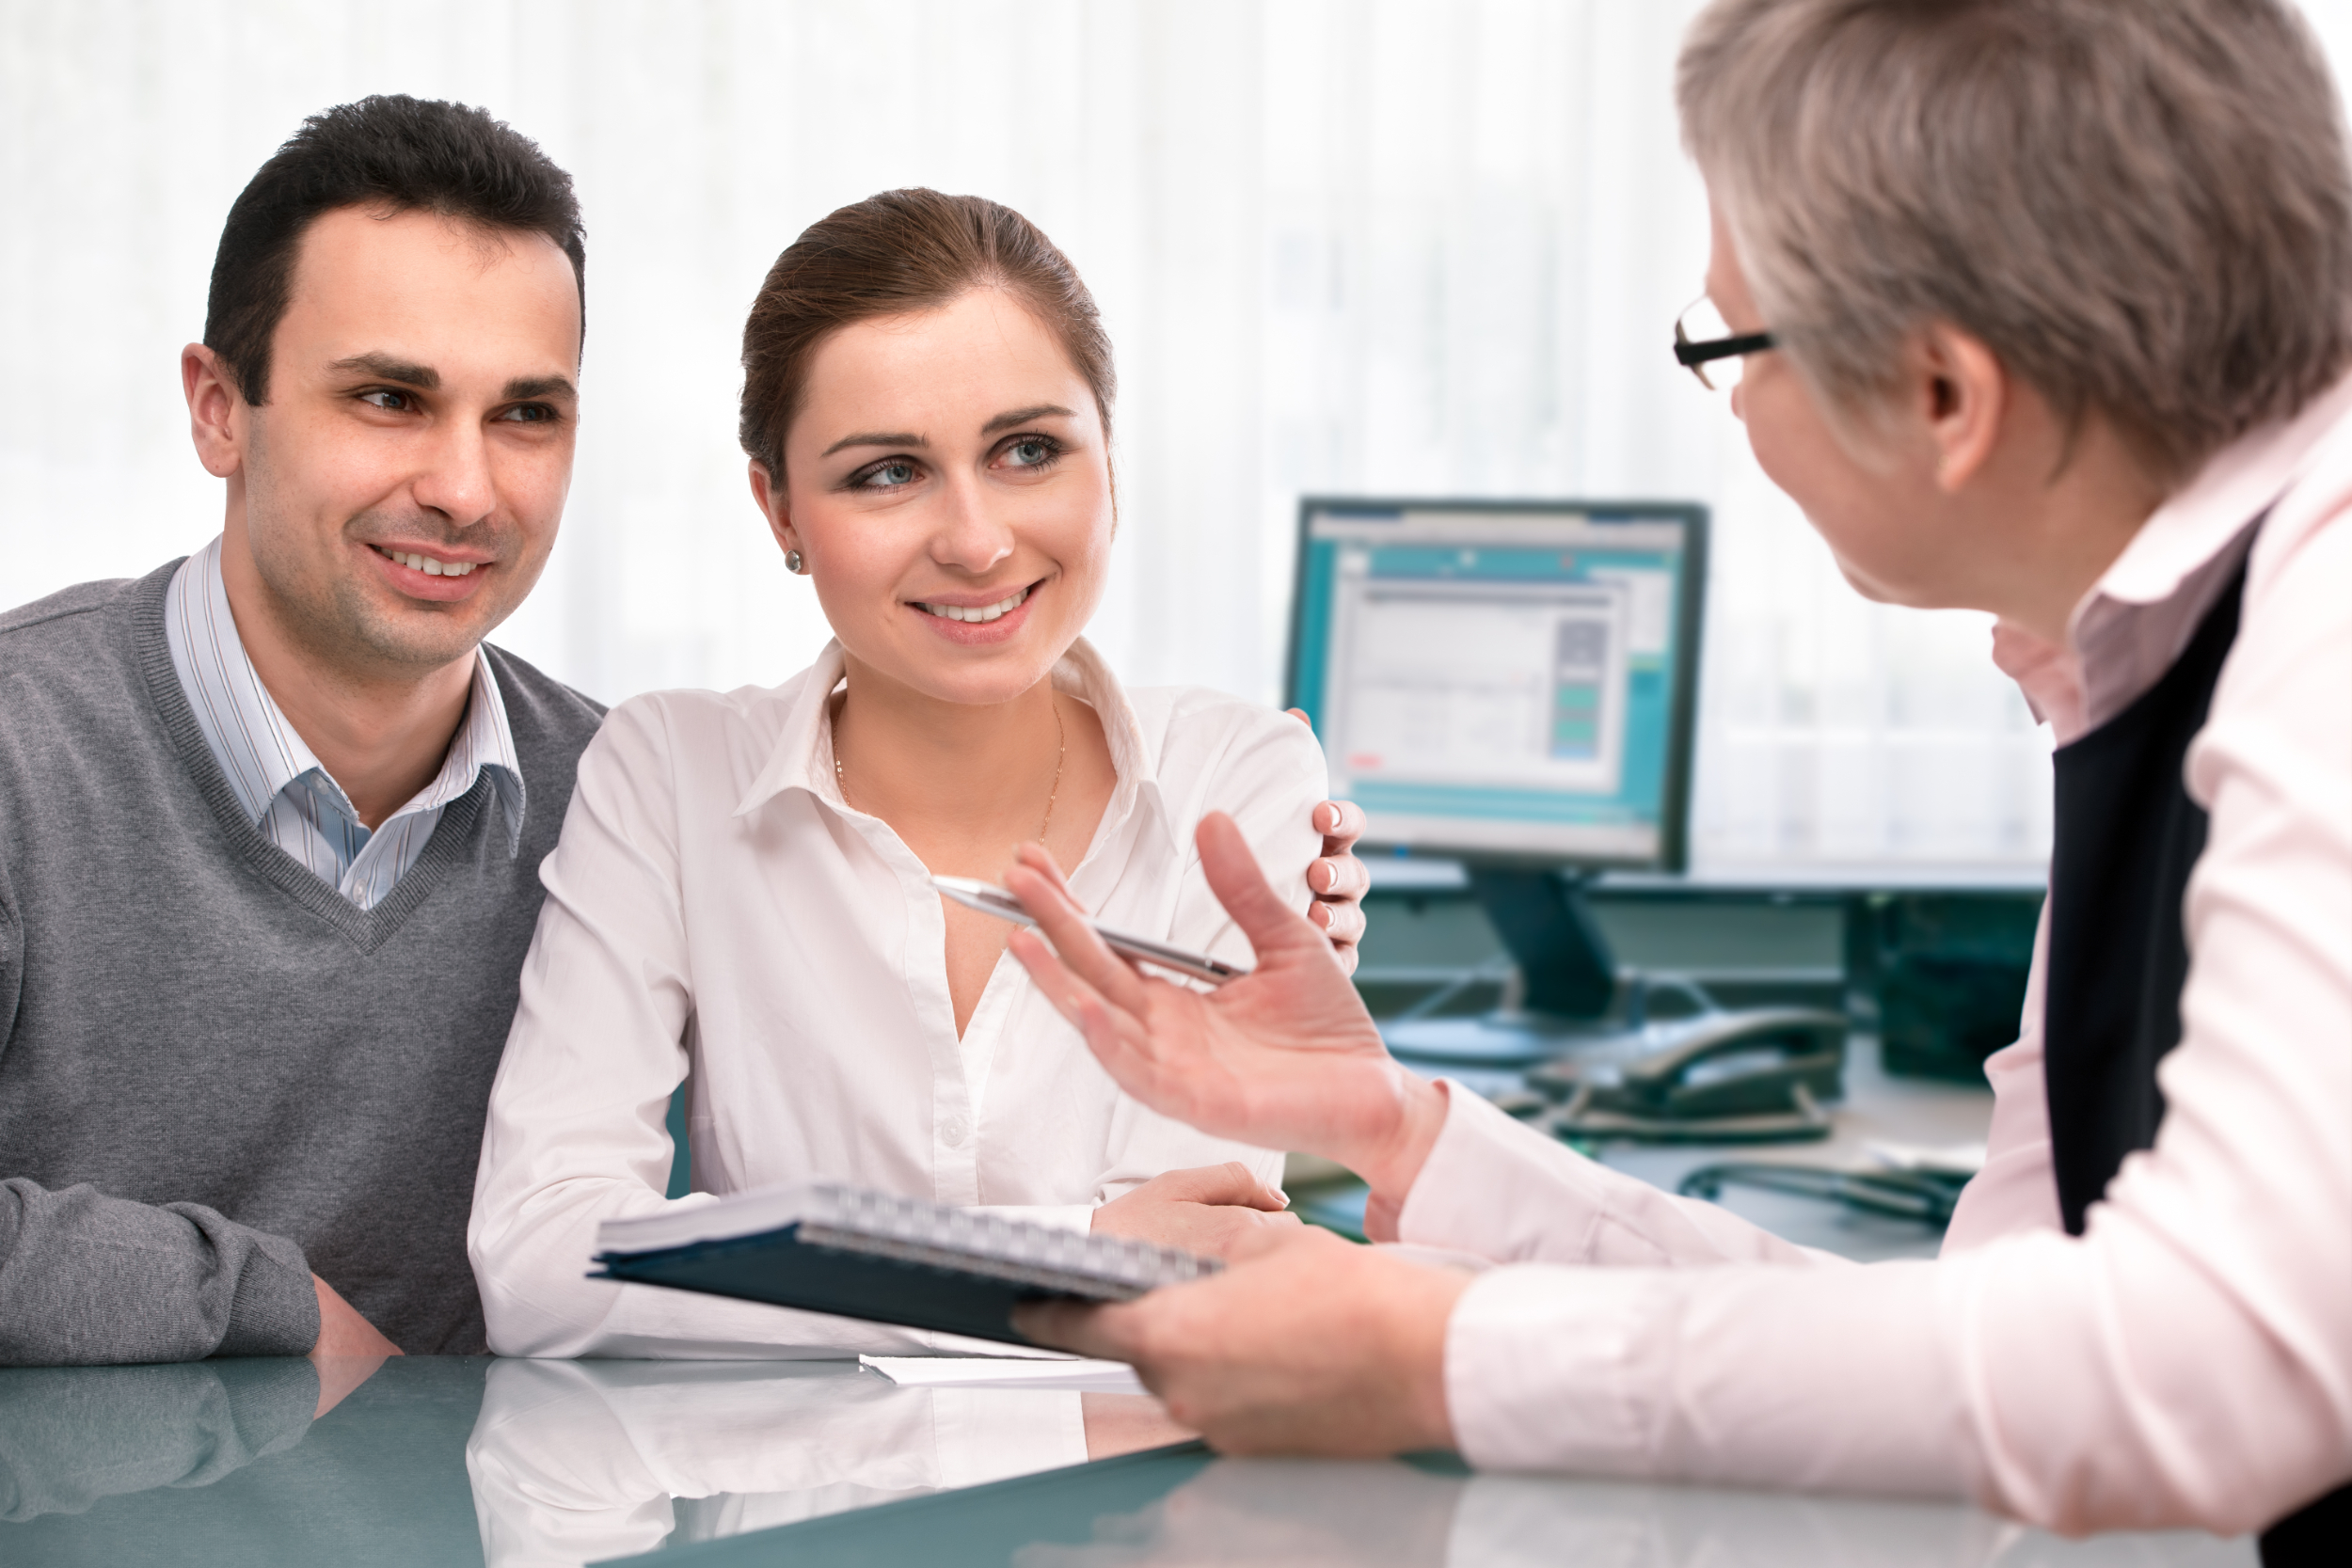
column 2187, row 1360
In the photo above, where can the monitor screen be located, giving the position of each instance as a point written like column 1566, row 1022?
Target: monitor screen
column 1505, row 680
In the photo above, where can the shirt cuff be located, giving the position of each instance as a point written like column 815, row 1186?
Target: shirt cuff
column 1582, row 1333
column 1474, row 1191
column 988, row 1435
column 1061, row 1216
column 1749, row 1374
column 1497, row 1188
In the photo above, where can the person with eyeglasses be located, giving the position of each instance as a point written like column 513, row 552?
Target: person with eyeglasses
column 2036, row 306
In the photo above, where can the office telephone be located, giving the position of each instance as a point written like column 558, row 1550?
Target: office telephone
column 1753, row 1075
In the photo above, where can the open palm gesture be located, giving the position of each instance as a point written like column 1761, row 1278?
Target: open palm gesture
column 1285, row 1057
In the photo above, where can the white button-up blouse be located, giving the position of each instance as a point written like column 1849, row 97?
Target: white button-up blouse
column 716, row 913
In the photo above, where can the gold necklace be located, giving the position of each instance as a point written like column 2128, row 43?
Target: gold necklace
column 1061, row 751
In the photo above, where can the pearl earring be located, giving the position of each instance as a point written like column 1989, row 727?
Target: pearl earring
column 793, row 563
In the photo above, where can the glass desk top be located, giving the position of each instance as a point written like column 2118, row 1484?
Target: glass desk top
column 448, row 1460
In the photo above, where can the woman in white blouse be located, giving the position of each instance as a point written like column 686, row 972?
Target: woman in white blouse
column 741, row 899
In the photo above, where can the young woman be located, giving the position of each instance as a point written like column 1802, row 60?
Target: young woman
column 742, row 898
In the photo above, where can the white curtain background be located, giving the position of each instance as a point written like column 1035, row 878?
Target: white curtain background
column 1393, row 248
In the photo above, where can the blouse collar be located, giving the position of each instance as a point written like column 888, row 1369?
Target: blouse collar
column 803, row 758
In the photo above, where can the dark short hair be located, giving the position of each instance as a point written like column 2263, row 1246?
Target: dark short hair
column 391, row 153
column 895, row 254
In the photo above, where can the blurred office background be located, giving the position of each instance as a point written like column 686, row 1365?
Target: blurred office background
column 1343, row 247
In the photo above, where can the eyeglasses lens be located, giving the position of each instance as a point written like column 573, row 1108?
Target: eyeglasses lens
column 1703, row 323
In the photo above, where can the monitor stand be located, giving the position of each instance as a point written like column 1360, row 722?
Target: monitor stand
column 1570, row 979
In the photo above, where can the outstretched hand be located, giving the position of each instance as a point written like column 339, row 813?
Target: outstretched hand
column 1285, row 1057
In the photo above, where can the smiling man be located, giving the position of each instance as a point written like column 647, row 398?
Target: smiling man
column 270, row 817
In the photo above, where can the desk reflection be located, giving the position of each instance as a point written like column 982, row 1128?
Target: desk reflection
column 233, row 1462
column 431, row 1460
column 75, row 1435
column 577, row 1461
column 1308, row 1513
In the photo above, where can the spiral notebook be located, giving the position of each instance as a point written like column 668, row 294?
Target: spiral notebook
column 825, row 1246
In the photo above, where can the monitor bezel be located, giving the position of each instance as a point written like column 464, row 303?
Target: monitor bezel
column 1673, row 846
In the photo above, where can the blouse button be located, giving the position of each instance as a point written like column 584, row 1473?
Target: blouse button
column 951, row 1131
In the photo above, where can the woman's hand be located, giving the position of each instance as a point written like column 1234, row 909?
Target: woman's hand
column 1285, row 1057
column 1204, row 1210
column 1304, row 1345
column 1338, row 879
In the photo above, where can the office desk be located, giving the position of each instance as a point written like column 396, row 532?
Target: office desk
column 1876, row 1110
column 1805, row 941
column 449, row 1462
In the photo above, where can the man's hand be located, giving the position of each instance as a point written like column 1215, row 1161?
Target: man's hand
column 342, row 1331
column 348, row 1350
column 1285, row 1057
column 1205, row 1210
column 1304, row 1345
column 1338, row 879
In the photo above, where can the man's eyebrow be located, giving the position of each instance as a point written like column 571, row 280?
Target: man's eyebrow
column 385, row 368
column 524, row 386
column 874, row 438
column 1023, row 416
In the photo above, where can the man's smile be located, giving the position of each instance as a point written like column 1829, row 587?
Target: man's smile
column 440, row 576
column 431, row 565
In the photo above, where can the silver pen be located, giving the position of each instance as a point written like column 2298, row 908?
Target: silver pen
column 987, row 898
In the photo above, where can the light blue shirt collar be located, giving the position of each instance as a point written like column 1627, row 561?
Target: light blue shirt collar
column 264, row 759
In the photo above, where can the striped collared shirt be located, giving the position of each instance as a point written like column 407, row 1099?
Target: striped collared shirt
column 290, row 798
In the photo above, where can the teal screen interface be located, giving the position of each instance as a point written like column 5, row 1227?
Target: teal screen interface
column 1507, row 680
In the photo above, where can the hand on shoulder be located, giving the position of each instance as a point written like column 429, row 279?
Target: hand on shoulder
column 1337, row 879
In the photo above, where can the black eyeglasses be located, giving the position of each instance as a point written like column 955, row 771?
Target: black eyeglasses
column 1702, row 337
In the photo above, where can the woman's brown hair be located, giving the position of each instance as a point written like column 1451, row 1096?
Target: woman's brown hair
column 895, row 254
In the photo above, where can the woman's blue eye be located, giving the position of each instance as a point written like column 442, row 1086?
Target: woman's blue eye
column 1030, row 451
column 888, row 474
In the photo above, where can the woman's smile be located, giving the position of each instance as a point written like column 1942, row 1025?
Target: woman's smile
column 967, row 619
column 950, row 610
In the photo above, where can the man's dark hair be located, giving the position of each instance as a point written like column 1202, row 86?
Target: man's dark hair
column 390, row 153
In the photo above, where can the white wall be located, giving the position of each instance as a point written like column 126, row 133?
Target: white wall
column 1342, row 247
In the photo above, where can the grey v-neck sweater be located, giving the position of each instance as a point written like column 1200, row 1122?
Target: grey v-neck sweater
column 216, row 1076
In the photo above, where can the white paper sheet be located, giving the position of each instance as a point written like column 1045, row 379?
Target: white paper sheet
column 989, row 1371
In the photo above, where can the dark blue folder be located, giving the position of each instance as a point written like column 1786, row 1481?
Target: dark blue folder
column 885, row 1259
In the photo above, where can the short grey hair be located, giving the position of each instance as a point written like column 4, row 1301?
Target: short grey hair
column 2143, row 208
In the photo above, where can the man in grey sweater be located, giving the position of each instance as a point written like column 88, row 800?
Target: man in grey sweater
column 271, row 817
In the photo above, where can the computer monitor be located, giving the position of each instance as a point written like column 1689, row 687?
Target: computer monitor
column 1505, row 679
column 1510, row 684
